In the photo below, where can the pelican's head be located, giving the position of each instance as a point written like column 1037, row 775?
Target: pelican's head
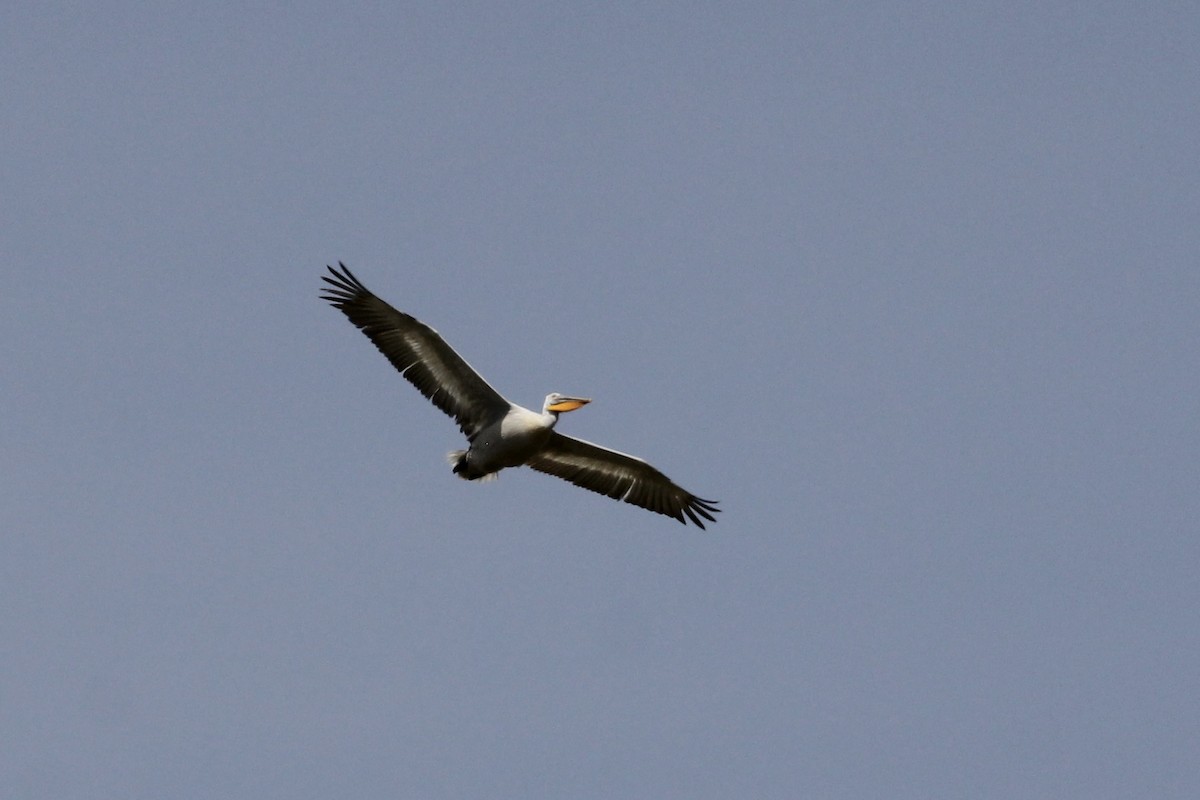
column 557, row 403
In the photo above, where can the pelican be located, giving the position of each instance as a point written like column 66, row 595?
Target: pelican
column 503, row 434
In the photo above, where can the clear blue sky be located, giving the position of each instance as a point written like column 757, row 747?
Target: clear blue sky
column 911, row 288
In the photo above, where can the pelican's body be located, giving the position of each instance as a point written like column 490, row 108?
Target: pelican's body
column 513, row 439
column 502, row 434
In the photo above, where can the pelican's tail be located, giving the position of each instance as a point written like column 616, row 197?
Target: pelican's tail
column 462, row 467
column 458, row 460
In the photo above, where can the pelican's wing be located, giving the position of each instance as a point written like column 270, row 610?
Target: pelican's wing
column 620, row 477
column 421, row 355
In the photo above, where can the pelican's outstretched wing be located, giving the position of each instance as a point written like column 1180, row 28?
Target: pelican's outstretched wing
column 421, row 355
column 621, row 477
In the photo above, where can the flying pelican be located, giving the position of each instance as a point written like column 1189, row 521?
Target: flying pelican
column 502, row 434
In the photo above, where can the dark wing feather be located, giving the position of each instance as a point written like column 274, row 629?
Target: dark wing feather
column 621, row 477
column 421, row 355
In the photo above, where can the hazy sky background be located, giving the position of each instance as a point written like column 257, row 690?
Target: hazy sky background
column 911, row 288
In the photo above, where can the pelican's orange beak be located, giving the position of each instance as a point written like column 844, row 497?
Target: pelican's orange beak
column 569, row 404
